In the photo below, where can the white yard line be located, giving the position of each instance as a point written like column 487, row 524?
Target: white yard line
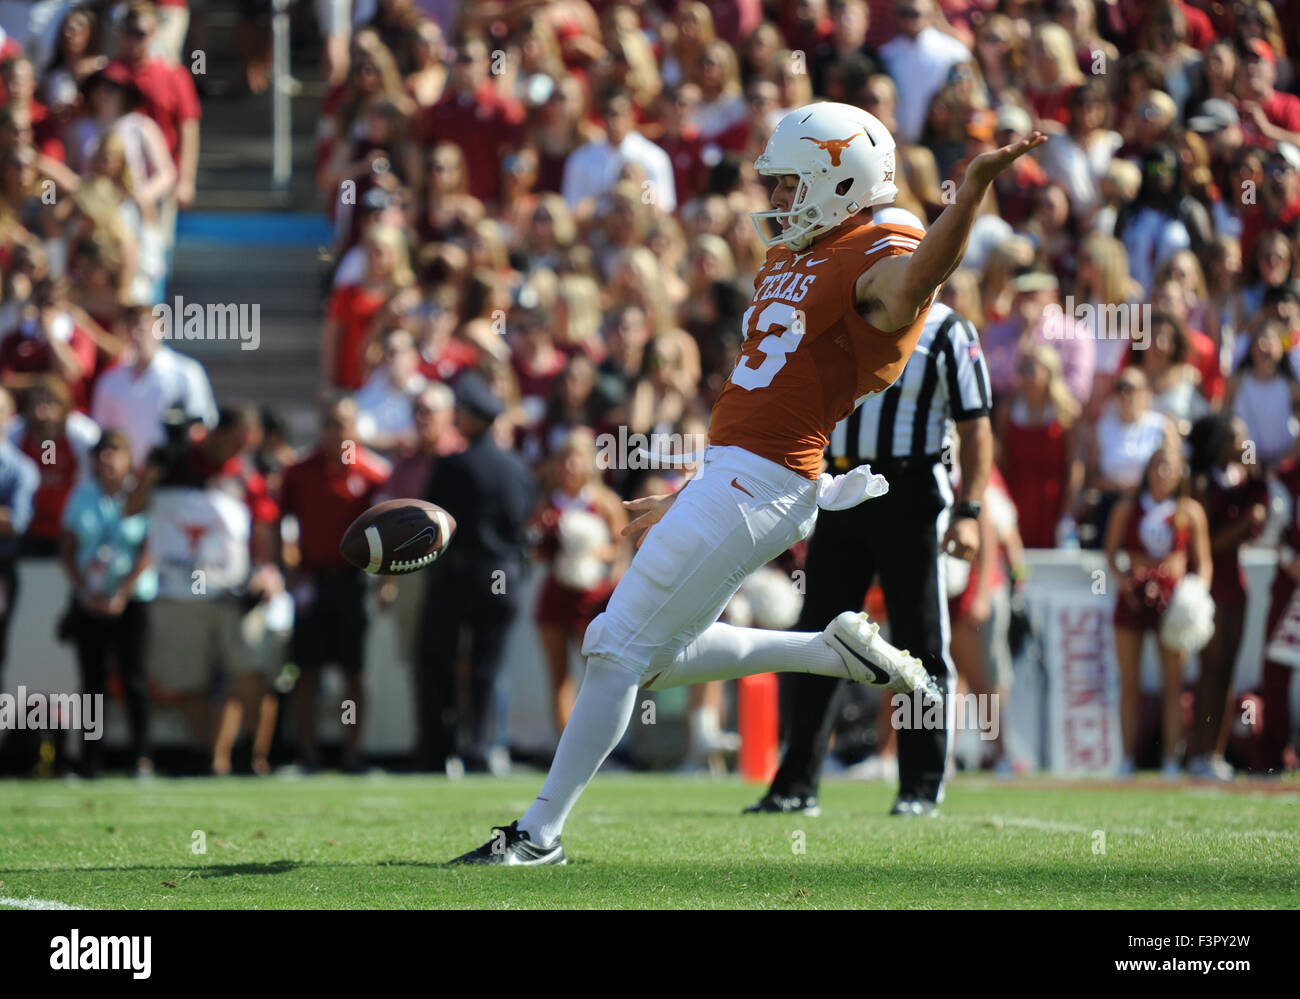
column 35, row 903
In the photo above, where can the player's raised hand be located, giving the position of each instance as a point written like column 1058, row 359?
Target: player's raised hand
column 986, row 166
column 651, row 509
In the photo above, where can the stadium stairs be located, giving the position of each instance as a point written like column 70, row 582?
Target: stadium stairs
column 244, row 243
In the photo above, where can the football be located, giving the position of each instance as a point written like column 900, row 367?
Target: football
column 398, row 537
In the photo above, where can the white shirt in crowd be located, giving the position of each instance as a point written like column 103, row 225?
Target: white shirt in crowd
column 1264, row 405
column 383, row 409
column 716, row 117
column 134, row 404
column 1151, row 239
column 920, row 68
column 593, row 169
column 1123, row 449
column 1081, row 169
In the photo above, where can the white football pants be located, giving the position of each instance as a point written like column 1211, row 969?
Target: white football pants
column 661, row 628
column 740, row 513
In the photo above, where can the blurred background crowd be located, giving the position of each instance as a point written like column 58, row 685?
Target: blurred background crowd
column 554, row 197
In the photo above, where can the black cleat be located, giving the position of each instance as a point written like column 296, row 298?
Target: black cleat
column 915, row 807
column 795, row 804
column 511, row 847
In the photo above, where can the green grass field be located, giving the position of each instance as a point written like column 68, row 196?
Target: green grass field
column 645, row 842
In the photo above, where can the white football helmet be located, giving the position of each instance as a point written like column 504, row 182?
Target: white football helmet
column 844, row 158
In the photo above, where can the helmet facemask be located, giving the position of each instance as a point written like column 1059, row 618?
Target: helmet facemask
column 801, row 223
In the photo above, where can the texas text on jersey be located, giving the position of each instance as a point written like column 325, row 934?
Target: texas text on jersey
column 808, row 354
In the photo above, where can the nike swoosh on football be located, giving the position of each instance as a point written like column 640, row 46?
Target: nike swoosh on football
column 429, row 532
column 881, row 677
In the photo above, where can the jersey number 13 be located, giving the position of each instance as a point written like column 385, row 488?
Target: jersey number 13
column 784, row 326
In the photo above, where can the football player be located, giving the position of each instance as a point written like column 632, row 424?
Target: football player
column 838, row 305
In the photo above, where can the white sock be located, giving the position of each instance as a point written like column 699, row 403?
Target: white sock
column 725, row 652
column 600, row 715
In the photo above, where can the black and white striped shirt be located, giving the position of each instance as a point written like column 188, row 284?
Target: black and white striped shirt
column 946, row 379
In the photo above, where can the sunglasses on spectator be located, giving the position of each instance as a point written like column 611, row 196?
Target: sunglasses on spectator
column 908, row 13
column 135, row 31
column 1127, row 387
column 995, row 39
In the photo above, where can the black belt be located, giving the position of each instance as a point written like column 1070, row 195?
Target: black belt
column 884, row 466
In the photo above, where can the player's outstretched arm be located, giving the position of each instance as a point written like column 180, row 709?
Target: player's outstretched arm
column 894, row 290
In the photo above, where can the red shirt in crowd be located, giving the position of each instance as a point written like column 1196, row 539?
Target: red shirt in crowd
column 1036, row 469
column 327, row 496
column 689, row 171
column 167, row 96
column 1015, row 190
column 1200, row 31
column 1281, row 110
column 353, row 307
column 1204, row 357
column 456, row 356
column 24, row 353
column 485, row 126
column 58, row 466
column 1257, row 220
column 1051, row 105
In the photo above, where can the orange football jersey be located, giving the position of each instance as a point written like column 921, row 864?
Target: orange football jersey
column 808, row 355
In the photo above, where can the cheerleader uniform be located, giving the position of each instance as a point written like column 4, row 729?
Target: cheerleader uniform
column 1276, row 681
column 560, row 605
column 1151, row 530
column 1226, row 503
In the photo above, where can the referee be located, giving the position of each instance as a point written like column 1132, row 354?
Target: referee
column 904, row 434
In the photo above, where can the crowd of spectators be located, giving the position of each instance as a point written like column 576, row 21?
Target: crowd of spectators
column 99, row 138
column 557, row 196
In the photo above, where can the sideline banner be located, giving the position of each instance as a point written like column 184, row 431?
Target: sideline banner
column 1082, row 688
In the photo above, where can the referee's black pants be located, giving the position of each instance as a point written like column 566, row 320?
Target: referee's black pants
column 474, row 600
column 896, row 536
